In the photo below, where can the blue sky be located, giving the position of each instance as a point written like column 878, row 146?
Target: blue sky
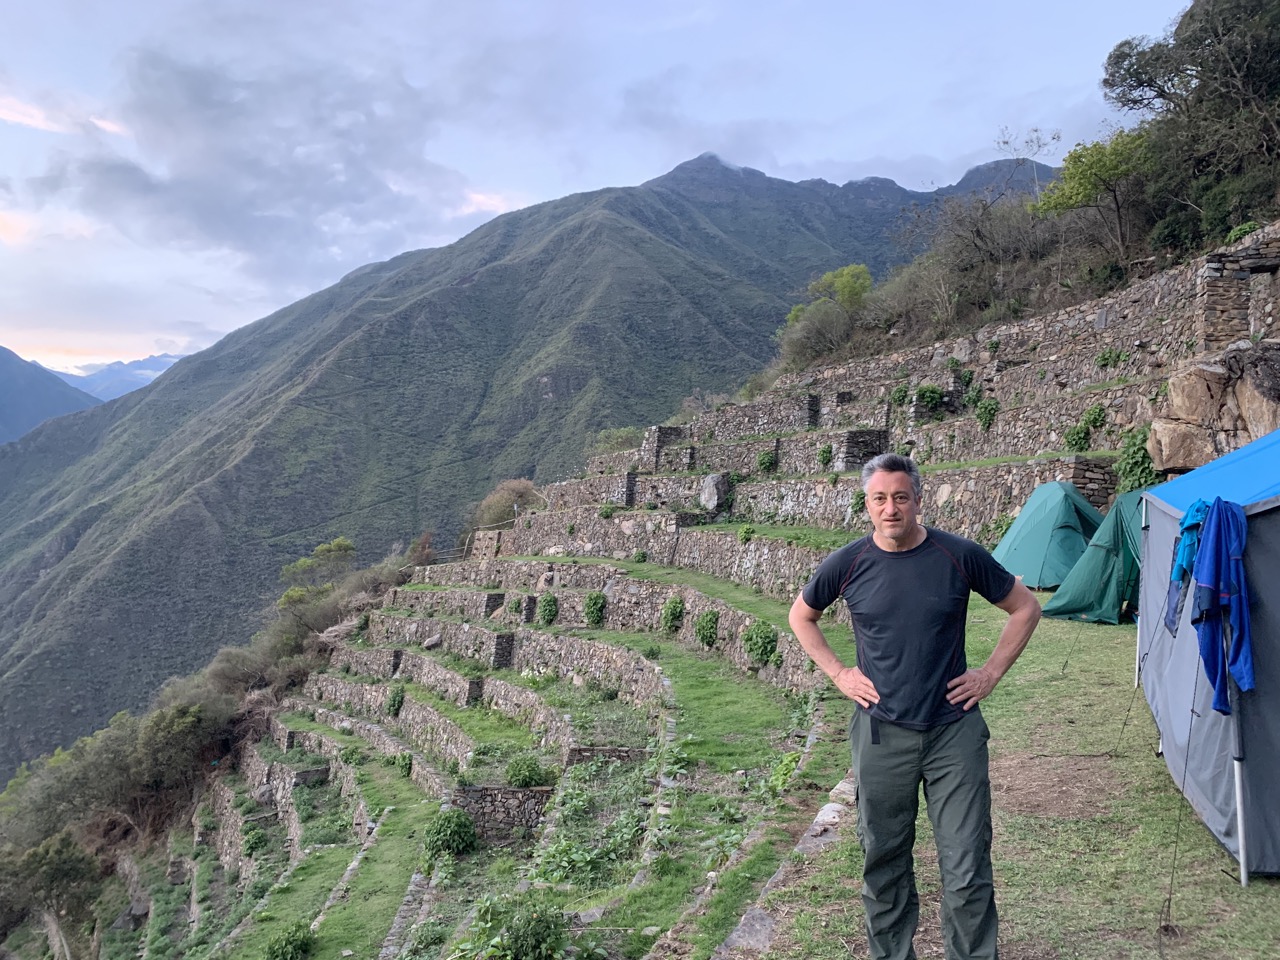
column 170, row 171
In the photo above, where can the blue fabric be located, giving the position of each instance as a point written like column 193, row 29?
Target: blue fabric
column 1246, row 476
column 1184, row 559
column 1222, row 592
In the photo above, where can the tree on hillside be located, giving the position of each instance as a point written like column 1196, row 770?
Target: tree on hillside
column 1105, row 176
column 313, row 578
column 826, row 320
column 499, row 508
column 1209, row 93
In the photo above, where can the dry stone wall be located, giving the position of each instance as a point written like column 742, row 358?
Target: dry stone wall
column 228, row 840
column 501, row 812
column 377, row 738
column 425, row 728
column 493, row 648
column 530, row 710
column 532, row 575
column 637, row 680
column 964, row 501
column 786, row 414
column 464, row 604
column 274, row 783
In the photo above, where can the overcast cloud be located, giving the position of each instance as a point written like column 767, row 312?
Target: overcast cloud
column 172, row 171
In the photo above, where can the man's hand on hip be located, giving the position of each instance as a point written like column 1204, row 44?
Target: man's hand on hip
column 853, row 683
column 970, row 687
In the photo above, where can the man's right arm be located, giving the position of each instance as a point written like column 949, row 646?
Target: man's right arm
column 850, row 681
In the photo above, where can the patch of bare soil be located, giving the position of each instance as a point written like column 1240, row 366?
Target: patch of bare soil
column 1075, row 788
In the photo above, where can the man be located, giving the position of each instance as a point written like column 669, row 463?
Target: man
column 917, row 718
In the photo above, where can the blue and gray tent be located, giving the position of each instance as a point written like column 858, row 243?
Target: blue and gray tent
column 1228, row 766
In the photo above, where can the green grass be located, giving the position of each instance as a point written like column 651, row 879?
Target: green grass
column 299, row 898
column 480, row 723
column 735, row 721
column 360, row 922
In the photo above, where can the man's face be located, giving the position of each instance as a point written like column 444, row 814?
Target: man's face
column 893, row 506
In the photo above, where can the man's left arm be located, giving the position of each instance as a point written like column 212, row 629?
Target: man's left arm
column 975, row 684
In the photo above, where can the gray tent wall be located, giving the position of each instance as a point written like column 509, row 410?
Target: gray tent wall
column 1199, row 744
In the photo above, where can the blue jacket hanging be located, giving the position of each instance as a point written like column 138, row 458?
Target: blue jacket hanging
column 1223, row 593
column 1184, row 558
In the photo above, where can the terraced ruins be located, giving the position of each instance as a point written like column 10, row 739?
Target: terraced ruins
column 605, row 691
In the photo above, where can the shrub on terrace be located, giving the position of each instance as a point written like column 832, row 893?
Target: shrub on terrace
column 760, row 640
column 548, row 609
column 706, row 626
column 593, row 608
column 450, row 831
column 673, row 614
column 295, row 942
column 525, row 771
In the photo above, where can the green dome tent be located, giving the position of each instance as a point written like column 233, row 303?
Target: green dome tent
column 1103, row 585
column 1049, row 535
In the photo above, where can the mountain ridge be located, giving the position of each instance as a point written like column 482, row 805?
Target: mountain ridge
column 140, row 537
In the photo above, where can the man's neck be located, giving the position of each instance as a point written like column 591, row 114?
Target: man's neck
column 908, row 541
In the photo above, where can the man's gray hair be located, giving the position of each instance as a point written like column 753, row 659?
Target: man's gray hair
column 893, row 463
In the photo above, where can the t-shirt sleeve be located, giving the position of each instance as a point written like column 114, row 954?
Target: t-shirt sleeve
column 823, row 589
column 986, row 575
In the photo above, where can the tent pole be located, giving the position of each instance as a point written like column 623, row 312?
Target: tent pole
column 1137, row 634
column 1237, row 755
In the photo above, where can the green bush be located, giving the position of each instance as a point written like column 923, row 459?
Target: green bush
column 1111, row 357
column 607, row 511
column 524, row 770
column 395, row 700
column 973, row 395
column 825, row 455
column 899, row 395
column 760, row 640
column 1242, row 231
column 1094, row 417
column 640, row 556
column 767, row 461
column 404, row 763
column 1134, row 467
column 986, row 411
column 651, row 652
column 1076, row 439
column 673, row 614
column 953, row 363
column 548, row 609
column 523, row 926
column 928, row 398
column 706, row 627
column 255, row 839
column 858, row 502
column 295, row 942
column 746, row 533
column 351, row 755
column 450, row 831
column 966, row 378
column 593, row 608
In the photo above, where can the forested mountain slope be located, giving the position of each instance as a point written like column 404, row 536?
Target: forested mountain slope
column 138, row 537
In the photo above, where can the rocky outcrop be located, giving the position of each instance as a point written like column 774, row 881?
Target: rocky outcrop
column 1217, row 404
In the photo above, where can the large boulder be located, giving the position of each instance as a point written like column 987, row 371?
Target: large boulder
column 1217, row 404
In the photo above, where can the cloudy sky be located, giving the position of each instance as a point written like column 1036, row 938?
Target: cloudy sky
column 170, row 171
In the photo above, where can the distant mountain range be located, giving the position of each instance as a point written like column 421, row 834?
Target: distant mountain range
column 139, row 536
column 30, row 395
column 106, row 381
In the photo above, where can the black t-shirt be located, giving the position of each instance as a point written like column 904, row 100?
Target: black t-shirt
column 909, row 613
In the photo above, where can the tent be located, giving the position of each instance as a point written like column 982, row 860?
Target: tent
column 1049, row 535
column 1103, row 585
column 1227, row 766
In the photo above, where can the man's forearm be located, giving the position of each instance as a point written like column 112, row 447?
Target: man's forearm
column 1013, row 638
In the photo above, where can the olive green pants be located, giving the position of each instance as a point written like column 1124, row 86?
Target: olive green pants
column 889, row 764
